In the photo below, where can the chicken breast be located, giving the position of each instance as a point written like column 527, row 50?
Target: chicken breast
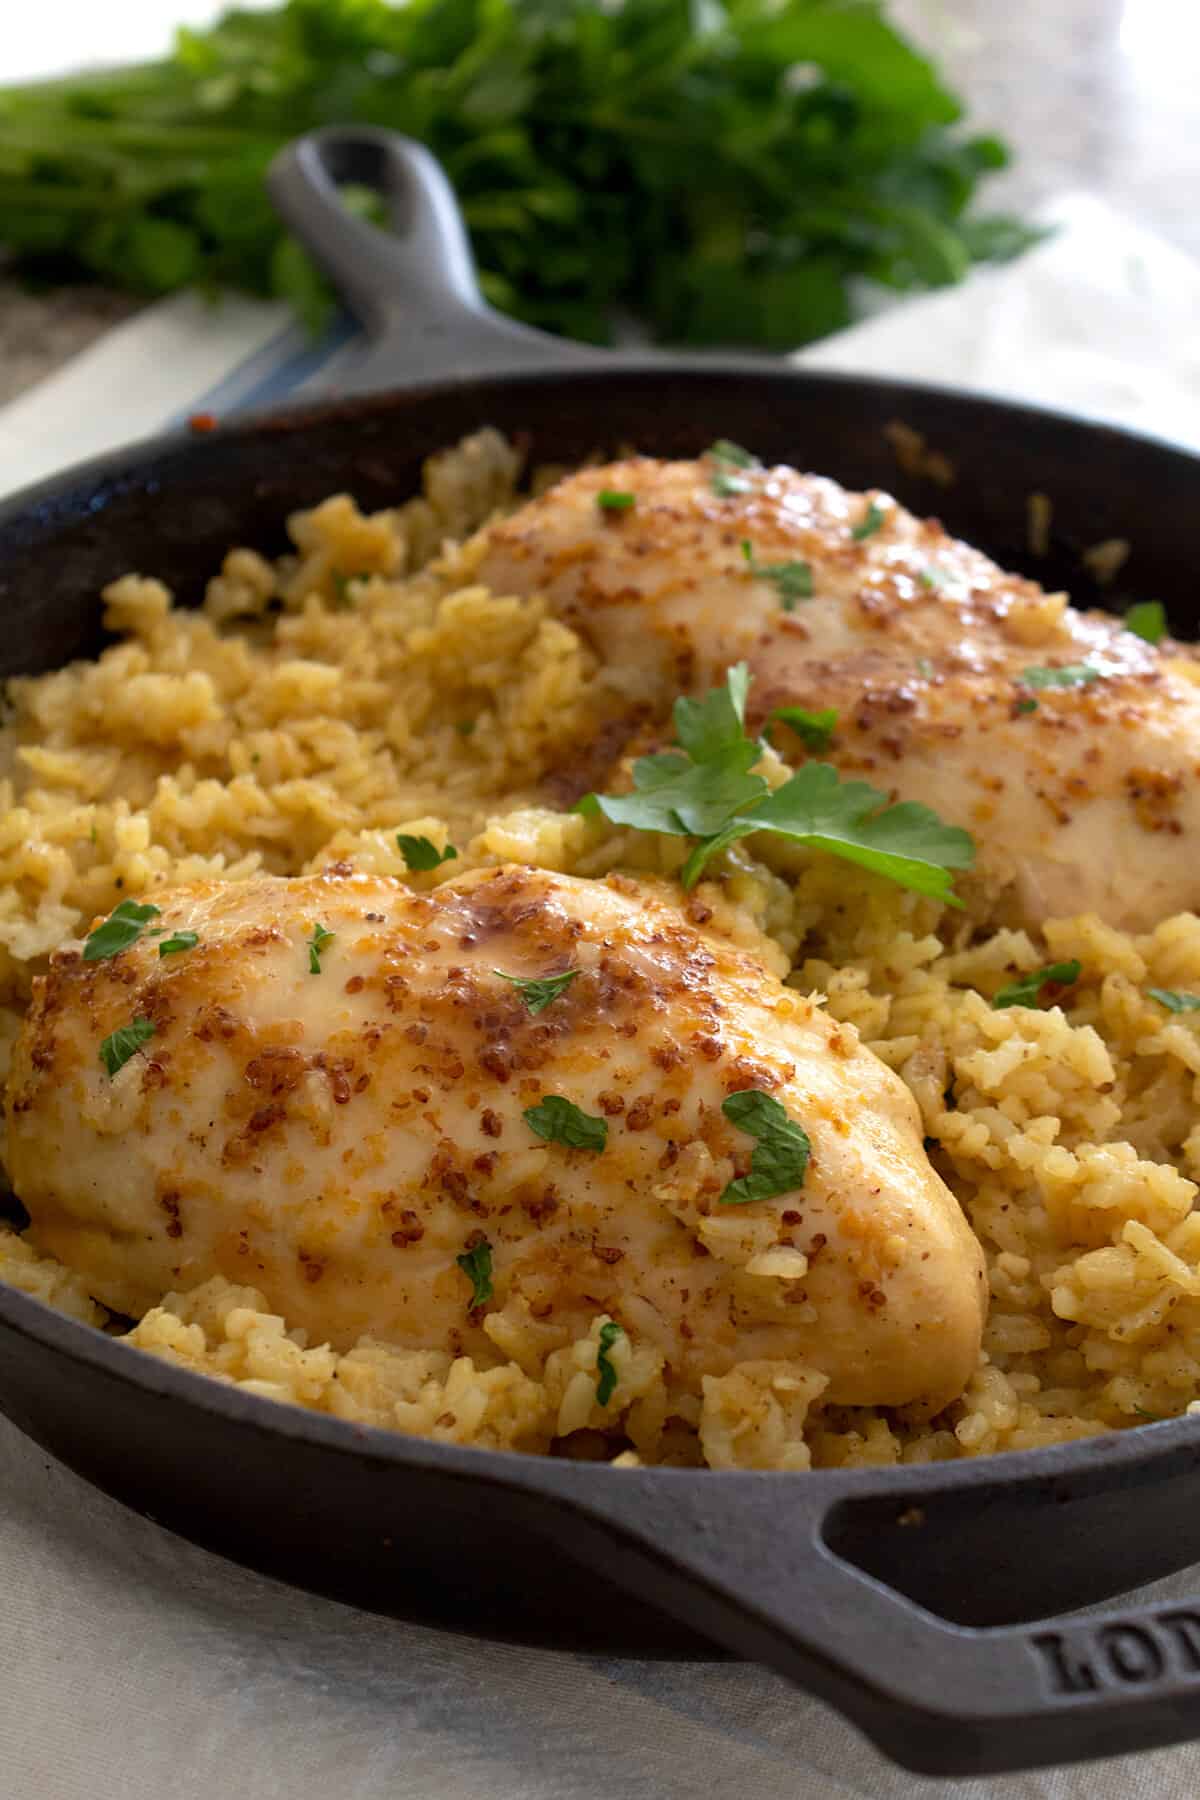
column 342, row 1120
column 1080, row 789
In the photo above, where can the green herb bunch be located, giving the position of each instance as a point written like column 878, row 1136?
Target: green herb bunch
column 723, row 168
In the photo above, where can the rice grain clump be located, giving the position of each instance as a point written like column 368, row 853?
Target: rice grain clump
column 366, row 685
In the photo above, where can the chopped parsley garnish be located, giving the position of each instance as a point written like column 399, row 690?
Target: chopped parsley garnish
column 729, row 456
column 793, row 580
column 704, row 790
column 1027, row 989
column 870, row 522
column 476, row 1265
column 1069, row 676
column 607, row 1384
column 814, row 729
column 341, row 588
column 1027, row 705
column 1147, row 620
column 726, row 451
column 123, row 926
column 316, row 943
column 539, row 990
column 615, row 500
column 121, row 1044
column 560, row 1121
column 1173, row 1000
column 726, row 486
column 932, row 577
column 181, row 940
column 780, row 1154
column 465, row 727
column 420, row 854
column 924, row 668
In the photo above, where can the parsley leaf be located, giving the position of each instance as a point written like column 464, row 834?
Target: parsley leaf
column 707, row 727
column 726, row 451
column 476, row 1265
column 341, row 588
column 728, row 457
column 1147, row 619
column 706, row 791
column 316, row 944
column 182, row 940
column 615, row 500
column 1027, row 705
column 560, row 1121
column 870, row 522
column 814, row 729
column 420, row 854
column 1026, row 990
column 793, row 580
column 726, row 486
column 932, row 577
column 1069, row 676
column 538, row 991
column 123, row 927
column 605, row 1369
column 121, row 1044
column 906, row 842
column 1174, row 1000
column 781, row 1154
column 683, row 798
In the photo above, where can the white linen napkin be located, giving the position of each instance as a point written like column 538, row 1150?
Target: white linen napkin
column 133, row 1664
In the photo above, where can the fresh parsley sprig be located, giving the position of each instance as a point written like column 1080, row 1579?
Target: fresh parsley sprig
column 1027, row 989
column 781, row 1150
column 704, row 790
column 123, row 927
column 538, row 991
column 793, row 580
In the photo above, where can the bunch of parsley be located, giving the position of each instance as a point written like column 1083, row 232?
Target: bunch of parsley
column 722, row 168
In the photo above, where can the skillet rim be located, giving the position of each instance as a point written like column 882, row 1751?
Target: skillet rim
column 116, row 468
column 130, row 466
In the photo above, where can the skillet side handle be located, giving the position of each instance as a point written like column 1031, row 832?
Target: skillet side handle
column 414, row 288
column 743, row 1560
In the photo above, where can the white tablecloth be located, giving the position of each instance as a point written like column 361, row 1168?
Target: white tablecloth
column 132, row 1664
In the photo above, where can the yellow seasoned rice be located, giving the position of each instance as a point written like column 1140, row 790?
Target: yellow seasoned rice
column 366, row 684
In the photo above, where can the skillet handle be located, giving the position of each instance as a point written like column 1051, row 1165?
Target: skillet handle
column 413, row 288
column 745, row 1560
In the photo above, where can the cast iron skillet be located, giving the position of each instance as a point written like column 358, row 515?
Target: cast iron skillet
column 896, row 1594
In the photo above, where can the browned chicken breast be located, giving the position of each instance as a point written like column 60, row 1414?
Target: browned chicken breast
column 332, row 1088
column 1066, row 745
